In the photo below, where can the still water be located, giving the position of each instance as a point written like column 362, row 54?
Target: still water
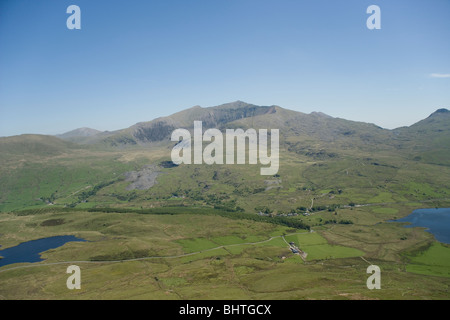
column 437, row 222
column 30, row 251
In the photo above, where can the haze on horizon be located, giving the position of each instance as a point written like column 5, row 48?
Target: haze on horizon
column 134, row 62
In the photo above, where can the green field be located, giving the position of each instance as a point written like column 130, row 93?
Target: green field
column 228, row 259
column 435, row 261
column 318, row 248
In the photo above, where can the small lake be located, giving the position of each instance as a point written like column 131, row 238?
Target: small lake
column 30, row 251
column 437, row 222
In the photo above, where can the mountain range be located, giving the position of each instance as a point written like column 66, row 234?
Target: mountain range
column 244, row 115
column 317, row 152
column 300, row 132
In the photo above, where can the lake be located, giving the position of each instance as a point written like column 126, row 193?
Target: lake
column 30, row 251
column 437, row 222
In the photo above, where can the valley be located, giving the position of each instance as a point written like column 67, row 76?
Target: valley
column 159, row 230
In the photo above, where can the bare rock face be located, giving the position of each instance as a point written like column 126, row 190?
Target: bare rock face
column 143, row 179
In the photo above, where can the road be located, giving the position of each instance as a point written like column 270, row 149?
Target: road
column 149, row 258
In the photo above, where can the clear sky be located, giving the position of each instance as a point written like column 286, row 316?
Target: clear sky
column 138, row 60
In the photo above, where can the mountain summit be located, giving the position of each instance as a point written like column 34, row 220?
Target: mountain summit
column 79, row 135
column 441, row 111
column 81, row 132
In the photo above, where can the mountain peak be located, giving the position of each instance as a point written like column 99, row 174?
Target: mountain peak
column 440, row 112
column 234, row 105
column 80, row 132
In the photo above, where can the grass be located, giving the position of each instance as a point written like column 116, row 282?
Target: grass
column 196, row 245
column 384, row 210
column 30, row 180
column 176, row 217
column 318, row 248
column 435, row 261
column 248, row 271
column 382, row 197
column 34, row 184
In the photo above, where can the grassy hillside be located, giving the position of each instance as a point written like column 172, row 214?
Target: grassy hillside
column 324, row 163
column 16, row 147
column 227, row 225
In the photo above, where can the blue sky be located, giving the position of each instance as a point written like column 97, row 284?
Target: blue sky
column 137, row 60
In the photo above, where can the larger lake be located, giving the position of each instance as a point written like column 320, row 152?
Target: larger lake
column 437, row 222
column 30, row 251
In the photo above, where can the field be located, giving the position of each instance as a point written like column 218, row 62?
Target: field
column 154, row 256
column 434, row 261
column 318, row 248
